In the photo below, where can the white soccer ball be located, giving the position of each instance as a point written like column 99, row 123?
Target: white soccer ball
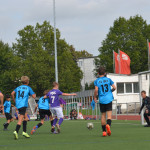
column 90, row 125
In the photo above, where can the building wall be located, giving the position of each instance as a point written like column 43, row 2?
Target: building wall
column 87, row 66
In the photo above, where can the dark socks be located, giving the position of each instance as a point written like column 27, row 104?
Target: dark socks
column 6, row 125
column 104, row 128
column 146, row 118
column 39, row 125
column 17, row 128
column 52, row 122
column 109, row 122
column 24, row 126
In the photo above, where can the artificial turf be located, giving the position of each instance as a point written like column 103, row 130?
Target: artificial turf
column 126, row 135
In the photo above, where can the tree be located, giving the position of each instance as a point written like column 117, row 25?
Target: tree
column 8, row 65
column 79, row 54
column 35, row 48
column 129, row 35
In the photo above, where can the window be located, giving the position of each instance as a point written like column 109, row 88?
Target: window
column 80, row 63
column 128, row 87
column 120, row 88
column 136, row 87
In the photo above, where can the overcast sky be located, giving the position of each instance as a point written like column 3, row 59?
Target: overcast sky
column 83, row 23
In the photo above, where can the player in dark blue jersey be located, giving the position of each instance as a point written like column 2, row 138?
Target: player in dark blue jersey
column 22, row 94
column 104, row 91
column 6, row 110
column 44, row 109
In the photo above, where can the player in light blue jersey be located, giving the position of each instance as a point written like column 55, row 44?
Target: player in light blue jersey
column 104, row 91
column 6, row 111
column 22, row 94
column 44, row 109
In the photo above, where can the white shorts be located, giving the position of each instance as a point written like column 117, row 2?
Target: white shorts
column 57, row 111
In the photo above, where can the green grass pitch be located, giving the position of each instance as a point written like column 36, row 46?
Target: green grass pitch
column 126, row 135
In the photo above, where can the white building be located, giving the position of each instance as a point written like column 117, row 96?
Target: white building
column 87, row 66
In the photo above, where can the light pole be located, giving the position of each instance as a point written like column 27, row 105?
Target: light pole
column 55, row 43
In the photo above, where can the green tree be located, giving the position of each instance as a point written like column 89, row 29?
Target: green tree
column 8, row 65
column 129, row 35
column 35, row 48
column 79, row 54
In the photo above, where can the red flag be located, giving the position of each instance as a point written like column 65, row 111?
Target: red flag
column 116, row 58
column 124, row 63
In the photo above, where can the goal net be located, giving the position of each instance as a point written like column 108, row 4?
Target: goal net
column 144, row 84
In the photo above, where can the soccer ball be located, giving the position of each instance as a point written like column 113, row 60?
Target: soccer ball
column 90, row 125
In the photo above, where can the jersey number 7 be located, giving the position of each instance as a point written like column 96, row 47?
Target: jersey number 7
column 53, row 98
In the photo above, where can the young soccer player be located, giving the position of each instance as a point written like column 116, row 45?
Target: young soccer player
column 55, row 105
column 6, row 110
column 22, row 94
column 146, row 102
column 104, row 92
column 43, row 106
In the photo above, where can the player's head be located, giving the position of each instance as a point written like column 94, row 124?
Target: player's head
column 25, row 80
column 143, row 94
column 101, row 71
column 45, row 92
column 55, row 85
column 7, row 97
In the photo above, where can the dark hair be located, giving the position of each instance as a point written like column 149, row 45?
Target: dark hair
column 7, row 96
column 55, row 83
column 143, row 92
column 101, row 71
column 45, row 92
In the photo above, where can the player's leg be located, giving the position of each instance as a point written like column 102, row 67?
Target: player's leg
column 20, row 119
column 109, row 117
column 42, row 116
column 60, row 117
column 55, row 119
column 103, row 118
column 146, row 114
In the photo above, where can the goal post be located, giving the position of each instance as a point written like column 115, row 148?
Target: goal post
column 144, row 84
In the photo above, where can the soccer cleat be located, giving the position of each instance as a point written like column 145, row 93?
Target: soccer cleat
column 147, row 125
column 26, row 135
column 52, row 129
column 15, row 135
column 108, row 130
column 33, row 130
column 104, row 134
column 54, row 132
column 58, row 128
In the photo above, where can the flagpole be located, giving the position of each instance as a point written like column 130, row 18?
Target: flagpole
column 113, row 63
column 148, row 55
column 119, row 60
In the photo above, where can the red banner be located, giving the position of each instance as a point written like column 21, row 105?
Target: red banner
column 124, row 63
column 116, row 58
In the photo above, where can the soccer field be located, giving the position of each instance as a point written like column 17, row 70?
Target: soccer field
column 126, row 135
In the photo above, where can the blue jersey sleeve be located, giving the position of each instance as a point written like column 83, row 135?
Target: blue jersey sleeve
column 15, row 90
column 5, row 104
column 95, row 83
column 31, row 91
column 111, row 82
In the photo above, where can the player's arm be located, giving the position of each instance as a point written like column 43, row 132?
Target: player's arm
column 141, row 108
column 34, row 96
column 13, row 96
column 113, row 88
column 95, row 94
column 3, row 110
column 67, row 94
column 45, row 97
column 1, row 98
column 35, row 108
